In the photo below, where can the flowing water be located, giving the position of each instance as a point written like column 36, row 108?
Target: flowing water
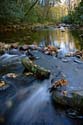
column 32, row 104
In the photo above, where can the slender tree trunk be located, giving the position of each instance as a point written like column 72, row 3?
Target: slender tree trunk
column 31, row 7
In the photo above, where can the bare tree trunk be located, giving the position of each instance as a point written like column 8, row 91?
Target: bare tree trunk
column 31, row 7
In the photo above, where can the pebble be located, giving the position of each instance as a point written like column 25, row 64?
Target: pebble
column 78, row 61
column 65, row 60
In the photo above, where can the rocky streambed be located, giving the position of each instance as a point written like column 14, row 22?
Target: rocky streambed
column 27, row 99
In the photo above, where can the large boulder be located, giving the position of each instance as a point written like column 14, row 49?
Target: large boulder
column 72, row 98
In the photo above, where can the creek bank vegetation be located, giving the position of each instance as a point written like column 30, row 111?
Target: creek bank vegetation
column 75, row 16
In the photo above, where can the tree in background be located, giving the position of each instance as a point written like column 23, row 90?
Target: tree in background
column 75, row 14
column 16, row 11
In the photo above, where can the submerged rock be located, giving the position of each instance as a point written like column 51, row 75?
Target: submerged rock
column 38, row 71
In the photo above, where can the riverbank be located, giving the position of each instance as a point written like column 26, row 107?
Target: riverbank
column 22, row 26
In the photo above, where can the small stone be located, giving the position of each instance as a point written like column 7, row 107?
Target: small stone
column 29, row 73
column 64, row 93
column 64, row 60
column 78, row 61
column 11, row 75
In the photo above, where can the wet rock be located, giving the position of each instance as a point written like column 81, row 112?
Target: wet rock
column 62, row 29
column 33, row 46
column 32, row 54
column 10, row 63
column 9, row 59
column 65, row 60
column 72, row 98
column 50, row 50
column 78, row 54
column 74, row 114
column 69, row 54
column 11, row 75
column 14, row 52
column 19, row 80
column 24, row 48
column 3, row 47
column 38, row 71
column 14, row 46
column 78, row 61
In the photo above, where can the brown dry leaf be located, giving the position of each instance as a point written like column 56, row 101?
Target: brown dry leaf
column 52, row 48
column 2, row 83
column 61, row 82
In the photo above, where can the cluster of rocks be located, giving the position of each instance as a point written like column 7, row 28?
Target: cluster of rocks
column 49, row 50
column 78, row 54
column 5, row 47
column 14, row 27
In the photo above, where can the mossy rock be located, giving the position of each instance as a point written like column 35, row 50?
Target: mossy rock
column 72, row 99
column 37, row 71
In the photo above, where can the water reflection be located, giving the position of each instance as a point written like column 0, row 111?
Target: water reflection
column 64, row 40
column 67, row 41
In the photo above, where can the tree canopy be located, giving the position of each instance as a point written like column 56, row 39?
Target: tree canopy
column 23, row 10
